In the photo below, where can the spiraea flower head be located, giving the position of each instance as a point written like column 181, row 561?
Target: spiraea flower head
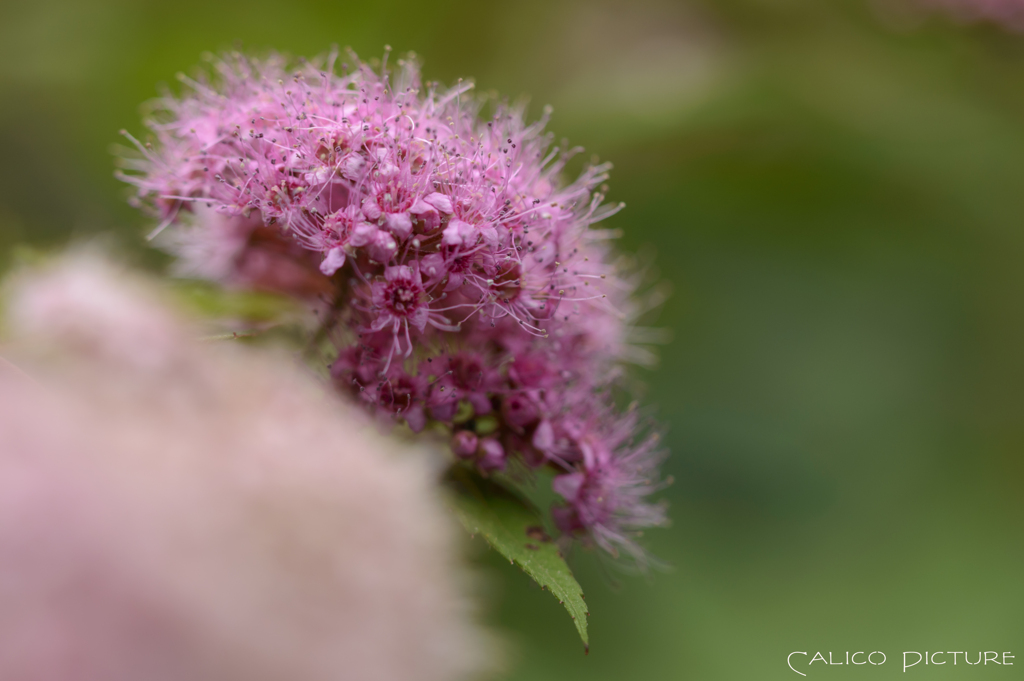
column 473, row 290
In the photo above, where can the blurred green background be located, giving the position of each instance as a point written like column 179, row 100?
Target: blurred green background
column 835, row 191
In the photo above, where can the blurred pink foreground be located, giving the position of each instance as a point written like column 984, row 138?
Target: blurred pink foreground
column 171, row 510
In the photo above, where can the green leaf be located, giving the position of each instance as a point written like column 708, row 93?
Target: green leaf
column 210, row 300
column 514, row 528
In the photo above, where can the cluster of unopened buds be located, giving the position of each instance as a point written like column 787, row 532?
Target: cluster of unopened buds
column 465, row 284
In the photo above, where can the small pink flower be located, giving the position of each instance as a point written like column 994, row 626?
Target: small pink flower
column 464, row 444
column 399, row 298
column 491, row 455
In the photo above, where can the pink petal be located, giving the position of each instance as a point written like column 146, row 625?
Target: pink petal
column 427, row 213
column 370, row 208
column 568, row 485
column 439, row 201
column 334, row 261
column 400, row 224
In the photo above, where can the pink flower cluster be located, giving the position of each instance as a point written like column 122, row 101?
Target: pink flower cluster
column 466, row 283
